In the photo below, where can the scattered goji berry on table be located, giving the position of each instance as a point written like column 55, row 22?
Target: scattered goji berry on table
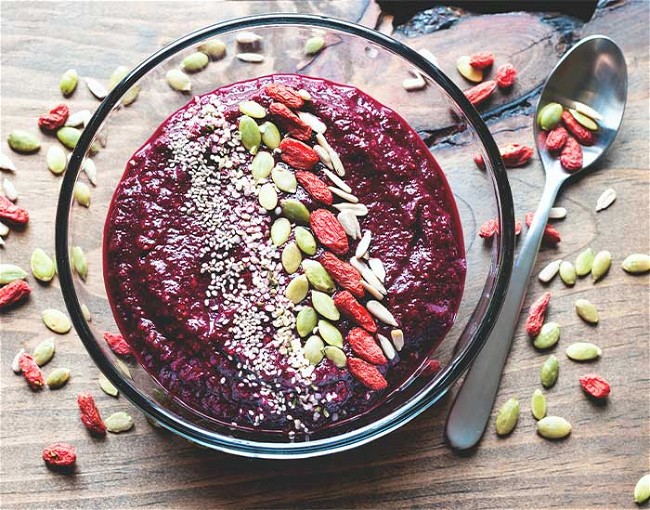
column 285, row 95
column 432, row 367
column 595, row 385
column 480, row 92
column 11, row 212
column 13, row 293
column 515, row 155
column 329, row 231
column 481, row 60
column 55, row 119
column 316, row 188
column 31, row 372
column 551, row 235
column 290, row 122
column 580, row 133
column 536, row 314
column 89, row 414
column 343, row 273
column 505, row 76
column 367, row 374
column 363, row 345
column 351, row 308
column 297, row 154
column 60, row 456
column 117, row 344
column 556, row 139
column 480, row 162
column 571, row 155
column 489, row 229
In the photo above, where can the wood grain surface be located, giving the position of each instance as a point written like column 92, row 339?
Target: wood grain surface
column 609, row 449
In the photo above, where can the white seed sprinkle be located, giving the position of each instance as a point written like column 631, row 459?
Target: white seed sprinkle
column 381, row 312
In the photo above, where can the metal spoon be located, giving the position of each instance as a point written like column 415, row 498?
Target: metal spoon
column 594, row 73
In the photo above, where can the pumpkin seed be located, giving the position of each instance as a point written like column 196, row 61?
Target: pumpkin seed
column 295, row 210
column 550, row 372
column 44, row 351
column 262, row 165
column 107, row 386
column 178, row 80
column 507, row 417
column 557, row 213
column 69, row 136
column 251, row 58
column 280, row 231
column 56, row 321
column 553, row 427
column 58, row 378
column 123, row 368
column 10, row 190
column 335, row 355
column 397, row 335
column 297, row 289
column 377, row 267
column 549, row 271
column 284, row 179
column 318, row 276
column 215, row 48
column 583, row 351
column 89, row 168
column 56, row 160
column 313, row 122
column 363, row 245
column 268, row 197
column 86, row 312
column 584, row 261
column 637, row 263
column 10, row 273
column 606, row 199
column 387, row 347
column 81, row 193
column 538, row 404
column 96, row 88
column 6, row 163
column 568, row 273
column 116, row 77
column 252, row 109
column 330, row 333
column 195, row 62
column 467, row 71
column 350, row 224
column 642, row 490
column 68, row 82
column 549, row 116
column 304, row 94
column 270, row 135
column 325, row 305
column 306, row 321
column 250, row 134
column 548, row 336
column 15, row 364
column 80, row 118
column 314, row 44
column 23, row 142
column 291, row 259
column 305, row 240
column 42, row 266
column 587, row 311
column 381, row 312
column 585, row 121
column 314, row 350
column 79, row 262
column 601, row 264
column 119, row 422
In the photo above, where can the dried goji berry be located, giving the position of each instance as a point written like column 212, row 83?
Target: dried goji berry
column 480, row 162
column 329, row 231
column 571, row 155
column 363, row 345
column 290, row 122
column 117, row 344
column 367, row 374
column 556, row 139
column 481, row 60
column 551, row 235
column 31, row 372
column 343, row 273
column 505, row 76
column 298, row 154
column 11, row 212
column 481, row 92
column 581, row 133
column 489, row 229
column 13, row 293
column 351, row 308
column 90, row 414
column 432, row 367
column 60, row 455
column 285, row 95
column 515, row 155
column 595, row 385
column 536, row 314
column 315, row 187
column 55, row 119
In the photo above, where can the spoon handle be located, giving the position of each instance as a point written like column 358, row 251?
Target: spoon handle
column 470, row 411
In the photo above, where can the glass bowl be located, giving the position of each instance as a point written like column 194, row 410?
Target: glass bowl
column 354, row 55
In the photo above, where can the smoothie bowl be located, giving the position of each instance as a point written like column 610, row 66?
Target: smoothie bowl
column 287, row 268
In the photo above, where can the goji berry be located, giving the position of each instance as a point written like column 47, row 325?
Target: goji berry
column 343, row 273
column 536, row 314
column 505, row 76
column 480, row 92
column 489, row 229
column 367, row 374
column 551, row 235
column 556, row 139
column 571, row 155
column 480, row 162
column 89, row 414
column 595, row 385
column 60, row 455
column 315, row 187
column 363, row 345
column 298, row 154
column 515, row 155
column 581, row 133
column 31, row 372
column 13, row 293
column 329, row 231
column 432, row 367
column 285, row 95
column 11, row 212
column 55, row 119
column 290, row 122
column 351, row 308
column 517, row 227
column 117, row 344
column 481, row 60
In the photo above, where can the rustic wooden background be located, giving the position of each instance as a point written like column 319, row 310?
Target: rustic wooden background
column 596, row 467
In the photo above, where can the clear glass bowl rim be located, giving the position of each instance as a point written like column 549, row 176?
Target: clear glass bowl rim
column 422, row 401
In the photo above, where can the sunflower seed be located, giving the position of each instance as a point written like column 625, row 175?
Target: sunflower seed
column 6, row 163
column 89, row 168
column 350, row 224
column 549, row 271
column 119, row 422
column 249, row 41
column 195, row 62
column 557, row 213
column 344, row 195
column 538, row 404
column 10, row 190
column 330, row 333
column 368, row 275
column 306, row 321
column 583, row 351
column 96, row 88
column 335, row 355
column 81, row 193
column 356, row 209
column 58, row 378
column 387, row 347
column 587, row 110
column 372, row 290
column 314, row 45
column 56, row 321
column 637, row 263
column 291, row 259
column 412, row 84
column 252, row 109
column 553, row 427
column 284, row 179
column 215, row 48
column 397, row 335
column 324, row 156
column 340, row 183
column 107, row 386
column 268, row 197
column 325, row 305
column 313, row 122
column 80, row 118
column 381, row 312
column 68, row 82
column 297, row 289
column 377, row 267
column 605, row 199
column 507, row 417
column 178, row 80
column 253, row 58
column 15, row 365
column 601, row 264
column 56, row 160
column 314, row 350
column 364, row 244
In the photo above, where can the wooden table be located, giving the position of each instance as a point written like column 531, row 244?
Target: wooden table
column 597, row 466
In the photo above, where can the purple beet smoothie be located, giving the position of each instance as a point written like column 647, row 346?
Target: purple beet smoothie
column 197, row 288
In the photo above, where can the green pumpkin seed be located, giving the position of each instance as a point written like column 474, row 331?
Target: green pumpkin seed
column 195, row 62
column 314, row 44
column 23, row 142
column 305, row 240
column 330, row 333
column 318, row 276
column 118, row 422
column 81, row 193
column 602, row 262
column 123, row 368
column 10, row 273
column 568, row 273
column 252, row 109
column 107, row 386
column 642, row 490
column 637, row 263
column 69, row 82
column 583, row 351
column 56, row 321
column 250, row 134
column 548, row 336
column 584, row 261
column 538, row 404
column 550, row 371
column 79, row 262
column 553, row 427
column 325, row 305
column 178, row 80
column 116, row 77
column 549, row 116
column 585, row 121
column 280, row 231
column 270, row 135
column 262, row 165
column 268, row 197
column 587, row 311
column 56, row 160
column 306, row 321
column 297, row 289
column 507, row 417
column 215, row 48
column 44, row 351
column 314, row 350
column 85, row 312
column 291, row 258
column 42, row 266
column 335, row 355
column 284, row 179
column 58, row 378
column 69, row 136
column 295, row 210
